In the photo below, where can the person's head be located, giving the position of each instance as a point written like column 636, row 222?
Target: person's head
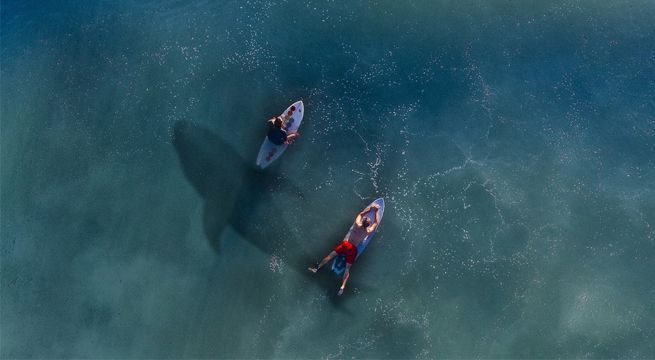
column 365, row 222
column 277, row 122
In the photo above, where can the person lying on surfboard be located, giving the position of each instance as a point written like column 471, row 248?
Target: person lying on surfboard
column 277, row 135
column 348, row 246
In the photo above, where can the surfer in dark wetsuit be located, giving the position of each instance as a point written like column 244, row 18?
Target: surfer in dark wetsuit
column 348, row 247
column 277, row 135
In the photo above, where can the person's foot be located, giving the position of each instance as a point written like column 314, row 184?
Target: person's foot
column 340, row 292
column 312, row 269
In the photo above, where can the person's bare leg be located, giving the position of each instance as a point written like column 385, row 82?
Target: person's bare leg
column 346, row 276
column 323, row 262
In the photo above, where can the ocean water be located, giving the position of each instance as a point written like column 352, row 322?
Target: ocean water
column 513, row 142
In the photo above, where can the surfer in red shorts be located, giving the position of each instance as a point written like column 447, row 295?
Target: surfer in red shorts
column 348, row 247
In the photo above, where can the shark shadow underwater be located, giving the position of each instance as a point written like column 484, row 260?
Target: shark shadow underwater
column 239, row 195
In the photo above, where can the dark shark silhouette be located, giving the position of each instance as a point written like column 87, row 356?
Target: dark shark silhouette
column 234, row 191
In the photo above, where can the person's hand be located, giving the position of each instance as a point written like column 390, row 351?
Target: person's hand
column 312, row 269
column 340, row 292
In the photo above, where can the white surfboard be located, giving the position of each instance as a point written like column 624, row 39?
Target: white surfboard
column 269, row 152
column 339, row 263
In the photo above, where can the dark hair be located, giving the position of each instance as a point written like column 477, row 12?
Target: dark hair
column 277, row 122
column 365, row 222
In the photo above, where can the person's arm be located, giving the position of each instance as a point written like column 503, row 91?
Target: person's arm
column 374, row 226
column 291, row 137
column 346, row 275
column 368, row 208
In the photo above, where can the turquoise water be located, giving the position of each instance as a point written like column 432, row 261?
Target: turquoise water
column 513, row 142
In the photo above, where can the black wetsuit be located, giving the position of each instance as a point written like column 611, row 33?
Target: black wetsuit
column 276, row 135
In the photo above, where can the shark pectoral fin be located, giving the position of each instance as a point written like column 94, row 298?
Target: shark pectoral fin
column 262, row 225
column 266, row 228
column 282, row 184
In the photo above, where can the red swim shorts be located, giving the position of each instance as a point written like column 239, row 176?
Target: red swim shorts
column 348, row 249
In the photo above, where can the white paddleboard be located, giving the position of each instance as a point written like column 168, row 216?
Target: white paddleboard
column 339, row 263
column 269, row 152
